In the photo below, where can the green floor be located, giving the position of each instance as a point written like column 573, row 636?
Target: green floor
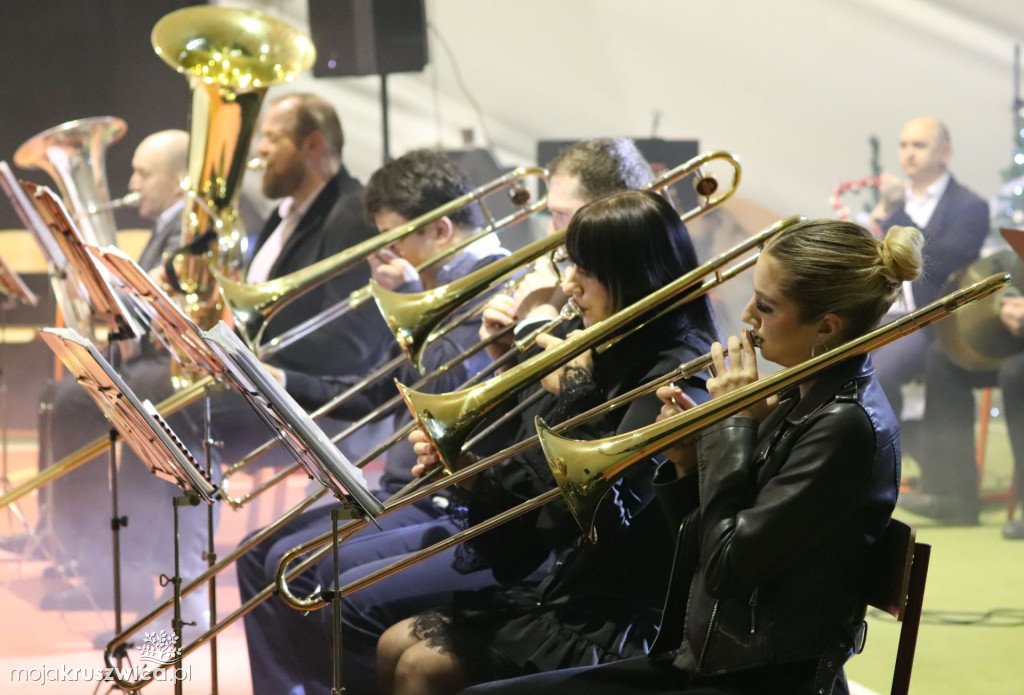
column 972, row 571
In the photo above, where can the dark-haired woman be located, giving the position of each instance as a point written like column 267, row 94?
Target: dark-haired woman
column 591, row 606
column 778, row 508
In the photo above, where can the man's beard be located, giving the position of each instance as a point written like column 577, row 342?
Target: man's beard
column 281, row 184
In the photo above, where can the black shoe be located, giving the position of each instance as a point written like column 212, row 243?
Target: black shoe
column 946, row 509
column 1014, row 531
column 78, row 599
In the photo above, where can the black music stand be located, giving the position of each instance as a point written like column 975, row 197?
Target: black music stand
column 107, row 309
column 310, row 446
column 141, row 426
column 73, row 308
column 184, row 341
column 14, row 290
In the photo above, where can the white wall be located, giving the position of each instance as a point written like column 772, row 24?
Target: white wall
column 794, row 88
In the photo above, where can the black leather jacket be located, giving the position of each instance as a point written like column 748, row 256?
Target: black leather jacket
column 788, row 514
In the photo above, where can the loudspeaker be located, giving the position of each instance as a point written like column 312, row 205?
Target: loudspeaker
column 368, row 37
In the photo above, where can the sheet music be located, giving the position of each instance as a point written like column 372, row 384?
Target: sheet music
column 14, row 287
column 136, row 421
column 296, row 430
column 179, row 333
column 106, row 304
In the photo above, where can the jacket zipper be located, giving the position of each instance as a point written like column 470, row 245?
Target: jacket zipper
column 753, row 611
column 707, row 637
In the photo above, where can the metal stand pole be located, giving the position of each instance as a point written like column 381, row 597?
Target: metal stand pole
column 117, row 522
column 384, row 127
column 211, row 553
column 177, row 623
column 337, row 686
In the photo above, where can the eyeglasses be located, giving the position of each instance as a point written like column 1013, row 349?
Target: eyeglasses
column 561, row 262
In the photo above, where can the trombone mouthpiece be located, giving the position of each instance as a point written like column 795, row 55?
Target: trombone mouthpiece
column 256, row 163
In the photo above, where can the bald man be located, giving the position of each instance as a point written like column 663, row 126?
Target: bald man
column 954, row 222
column 158, row 166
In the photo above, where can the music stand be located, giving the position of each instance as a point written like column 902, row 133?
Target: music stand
column 141, row 426
column 105, row 307
column 184, row 341
column 73, row 307
column 15, row 290
column 314, row 451
column 309, row 445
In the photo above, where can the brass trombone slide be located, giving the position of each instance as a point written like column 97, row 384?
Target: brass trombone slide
column 254, row 305
column 401, row 499
column 585, row 470
column 414, row 318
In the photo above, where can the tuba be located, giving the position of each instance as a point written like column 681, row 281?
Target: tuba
column 231, row 57
column 74, row 155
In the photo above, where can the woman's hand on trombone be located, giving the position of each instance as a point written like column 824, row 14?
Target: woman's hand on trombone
column 427, row 458
column 684, row 453
column 735, row 369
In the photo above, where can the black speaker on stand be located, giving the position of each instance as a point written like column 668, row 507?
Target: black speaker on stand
column 369, row 37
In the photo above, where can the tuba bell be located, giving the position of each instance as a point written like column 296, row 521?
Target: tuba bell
column 74, row 155
column 231, row 58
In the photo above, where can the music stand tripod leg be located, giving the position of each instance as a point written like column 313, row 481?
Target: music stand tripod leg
column 335, row 597
column 211, row 553
column 184, row 500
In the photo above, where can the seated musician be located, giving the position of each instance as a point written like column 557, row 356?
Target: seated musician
column 777, row 507
column 410, row 186
column 591, row 606
column 583, row 172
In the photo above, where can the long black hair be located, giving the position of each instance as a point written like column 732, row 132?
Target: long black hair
column 634, row 243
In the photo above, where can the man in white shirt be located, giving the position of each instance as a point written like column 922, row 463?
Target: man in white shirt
column 954, row 222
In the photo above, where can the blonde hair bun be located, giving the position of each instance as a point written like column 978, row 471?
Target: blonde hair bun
column 902, row 253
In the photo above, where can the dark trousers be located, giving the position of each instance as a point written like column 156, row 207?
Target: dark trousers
column 899, row 363
column 947, row 448
column 288, row 648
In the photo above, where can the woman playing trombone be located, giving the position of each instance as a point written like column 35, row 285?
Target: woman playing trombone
column 589, row 607
column 778, row 507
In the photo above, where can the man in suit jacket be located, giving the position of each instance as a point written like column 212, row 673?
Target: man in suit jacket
column 320, row 214
column 954, row 222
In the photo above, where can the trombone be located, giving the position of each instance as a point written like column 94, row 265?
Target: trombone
column 253, row 306
column 398, row 501
column 414, row 317
column 586, row 470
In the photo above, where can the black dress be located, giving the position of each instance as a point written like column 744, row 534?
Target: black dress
column 592, row 606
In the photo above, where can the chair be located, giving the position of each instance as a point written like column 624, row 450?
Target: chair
column 898, row 575
column 980, row 446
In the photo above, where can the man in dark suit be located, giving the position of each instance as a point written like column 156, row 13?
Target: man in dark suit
column 320, row 214
column 954, row 222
